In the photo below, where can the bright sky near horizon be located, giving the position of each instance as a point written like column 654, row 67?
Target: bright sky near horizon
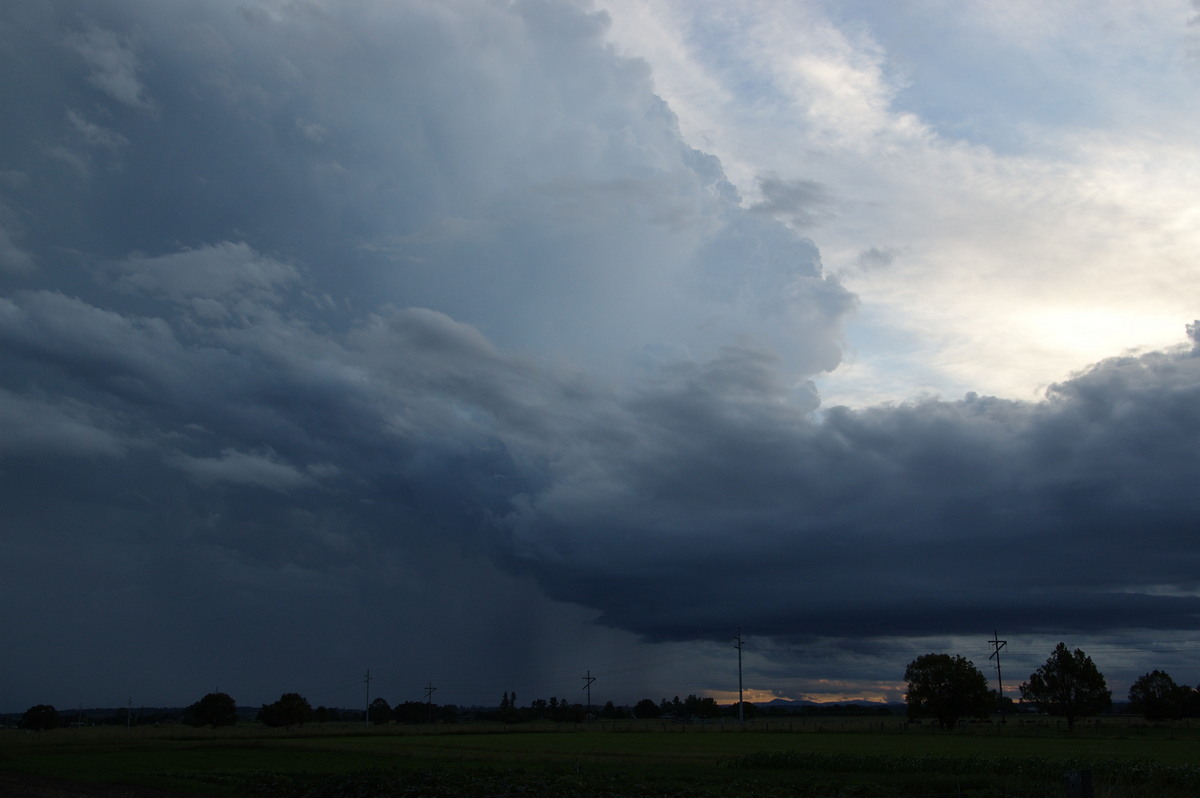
column 492, row 343
column 1009, row 189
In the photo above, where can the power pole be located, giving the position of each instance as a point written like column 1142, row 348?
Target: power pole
column 588, row 686
column 367, row 710
column 429, row 702
column 741, row 705
column 998, row 644
column 129, row 713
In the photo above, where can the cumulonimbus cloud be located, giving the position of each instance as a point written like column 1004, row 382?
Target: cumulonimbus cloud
column 451, row 291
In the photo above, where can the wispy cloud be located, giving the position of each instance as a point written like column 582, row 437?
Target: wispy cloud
column 263, row 470
column 113, row 64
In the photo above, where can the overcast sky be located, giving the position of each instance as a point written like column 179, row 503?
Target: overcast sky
column 486, row 344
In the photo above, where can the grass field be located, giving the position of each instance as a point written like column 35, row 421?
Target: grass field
column 867, row 758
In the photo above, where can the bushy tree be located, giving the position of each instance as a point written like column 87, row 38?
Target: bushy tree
column 380, row 711
column 215, row 709
column 416, row 712
column 696, row 707
column 947, row 688
column 292, row 709
column 749, row 710
column 1190, row 698
column 646, row 708
column 1069, row 684
column 1157, row 697
column 40, row 717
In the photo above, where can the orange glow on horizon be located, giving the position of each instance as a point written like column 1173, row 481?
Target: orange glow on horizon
column 830, row 698
column 751, row 696
column 821, row 691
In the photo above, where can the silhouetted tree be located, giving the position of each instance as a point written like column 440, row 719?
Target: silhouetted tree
column 1003, row 704
column 696, row 707
column 415, row 712
column 40, row 717
column 748, row 710
column 292, row 709
column 570, row 713
column 946, row 687
column 1069, row 684
column 215, row 709
column 380, row 711
column 646, row 708
column 1157, row 697
column 1190, row 698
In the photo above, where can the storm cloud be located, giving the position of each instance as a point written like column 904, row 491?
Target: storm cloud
column 329, row 323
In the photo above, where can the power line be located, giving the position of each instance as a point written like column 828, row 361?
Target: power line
column 338, row 688
column 621, row 662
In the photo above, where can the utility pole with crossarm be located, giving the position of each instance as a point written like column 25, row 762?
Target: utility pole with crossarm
column 741, row 704
column 588, row 686
column 998, row 644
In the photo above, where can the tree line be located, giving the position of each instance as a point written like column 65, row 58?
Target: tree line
column 292, row 709
column 941, row 686
column 219, row 709
column 1068, row 685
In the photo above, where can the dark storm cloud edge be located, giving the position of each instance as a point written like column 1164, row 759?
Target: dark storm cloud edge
column 692, row 502
column 925, row 519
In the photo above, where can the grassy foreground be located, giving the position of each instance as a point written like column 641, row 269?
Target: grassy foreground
column 622, row 760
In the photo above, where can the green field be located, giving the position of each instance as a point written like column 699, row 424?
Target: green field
column 864, row 758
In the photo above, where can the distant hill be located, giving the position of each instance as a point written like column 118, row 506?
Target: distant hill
column 783, row 706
